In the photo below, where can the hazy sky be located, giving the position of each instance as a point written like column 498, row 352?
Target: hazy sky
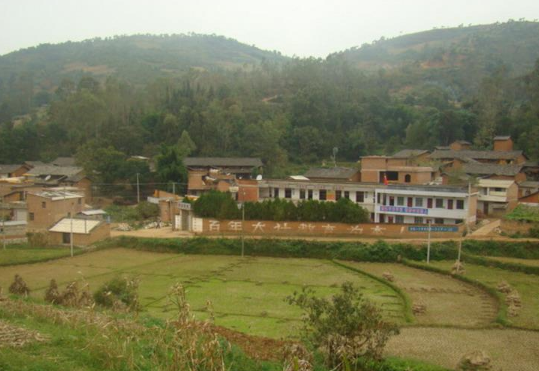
column 303, row 28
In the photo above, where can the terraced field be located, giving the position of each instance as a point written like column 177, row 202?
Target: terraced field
column 447, row 301
column 247, row 294
column 527, row 286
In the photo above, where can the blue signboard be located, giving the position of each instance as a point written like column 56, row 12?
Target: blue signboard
column 407, row 210
column 433, row 229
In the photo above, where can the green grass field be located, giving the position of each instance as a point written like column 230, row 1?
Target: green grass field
column 20, row 255
column 530, row 262
column 246, row 294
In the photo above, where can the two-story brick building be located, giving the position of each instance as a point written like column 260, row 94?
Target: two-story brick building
column 45, row 208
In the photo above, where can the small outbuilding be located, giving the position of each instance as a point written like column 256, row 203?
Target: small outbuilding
column 85, row 231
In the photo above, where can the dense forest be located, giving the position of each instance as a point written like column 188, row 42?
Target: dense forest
column 172, row 96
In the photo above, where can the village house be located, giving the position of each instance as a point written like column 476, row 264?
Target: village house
column 13, row 171
column 84, row 231
column 218, row 173
column 45, row 208
column 60, row 176
column 411, row 204
column 404, row 167
column 496, row 196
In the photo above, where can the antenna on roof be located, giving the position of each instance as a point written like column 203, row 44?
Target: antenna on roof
column 334, row 156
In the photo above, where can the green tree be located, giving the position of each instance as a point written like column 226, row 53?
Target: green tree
column 344, row 328
column 170, row 167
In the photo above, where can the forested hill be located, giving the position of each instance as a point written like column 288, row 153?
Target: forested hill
column 457, row 57
column 137, row 59
column 166, row 97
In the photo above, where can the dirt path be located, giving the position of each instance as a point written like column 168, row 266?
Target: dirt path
column 487, row 229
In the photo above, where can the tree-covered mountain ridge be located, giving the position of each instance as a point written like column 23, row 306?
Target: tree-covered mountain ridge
column 136, row 58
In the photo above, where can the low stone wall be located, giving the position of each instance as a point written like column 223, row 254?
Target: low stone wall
column 271, row 228
column 513, row 226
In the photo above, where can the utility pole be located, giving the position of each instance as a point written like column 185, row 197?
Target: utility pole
column 243, row 226
column 138, row 191
column 174, row 188
column 71, row 234
column 3, row 224
column 428, row 244
column 460, row 250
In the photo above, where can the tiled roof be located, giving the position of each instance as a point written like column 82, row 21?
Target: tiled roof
column 222, row 161
column 78, row 226
column 56, row 195
column 7, row 169
column 331, row 172
column 476, row 155
column 64, row 161
column 44, row 170
column 409, row 153
column 491, row 169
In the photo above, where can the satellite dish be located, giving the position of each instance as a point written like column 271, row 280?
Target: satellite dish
column 259, row 177
column 47, row 177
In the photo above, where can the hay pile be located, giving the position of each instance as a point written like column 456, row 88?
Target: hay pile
column 504, row 287
column 19, row 287
column 419, row 308
column 71, row 296
column 513, row 302
column 388, row 276
column 458, row 268
column 12, row 336
column 475, row 361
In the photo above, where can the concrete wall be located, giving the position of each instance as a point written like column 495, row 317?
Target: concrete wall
column 271, row 228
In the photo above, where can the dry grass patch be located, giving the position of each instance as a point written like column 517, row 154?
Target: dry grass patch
column 13, row 336
column 446, row 301
column 509, row 349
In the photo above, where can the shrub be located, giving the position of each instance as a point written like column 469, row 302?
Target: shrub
column 37, row 239
column 345, row 328
column 118, row 293
column 146, row 210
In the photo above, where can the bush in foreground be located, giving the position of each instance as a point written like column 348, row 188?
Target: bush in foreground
column 119, row 293
column 346, row 329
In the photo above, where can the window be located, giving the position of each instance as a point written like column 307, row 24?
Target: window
column 429, row 203
column 407, row 178
column 66, row 238
column 410, row 202
column 460, row 204
column 459, row 221
column 347, row 195
column 338, row 195
column 499, row 190
column 418, row 220
column 399, row 219
column 302, row 194
column 400, row 201
column 360, row 196
column 310, row 194
column 287, row 193
column 439, row 203
column 79, row 201
column 31, row 216
column 439, row 221
column 391, row 201
column 322, row 195
column 392, row 176
column 419, row 202
column 44, row 205
column 276, row 192
column 450, row 204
